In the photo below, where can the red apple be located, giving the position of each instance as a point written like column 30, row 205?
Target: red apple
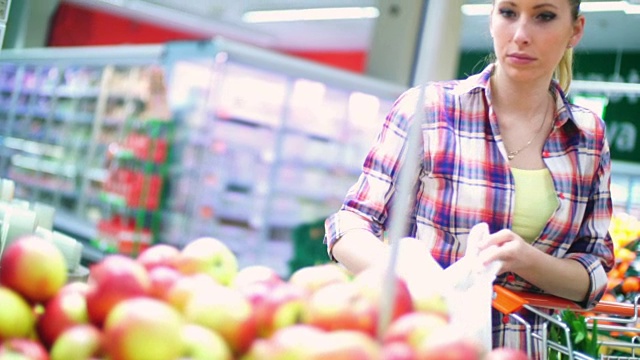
column 112, row 280
column 23, row 348
column 162, row 279
column 79, row 342
column 201, row 343
column 342, row 306
column 33, row 267
column 185, row 287
column 256, row 274
column 159, row 255
column 143, row 329
column 414, row 328
column 210, row 256
column 398, row 350
column 449, row 347
column 66, row 309
column 226, row 311
column 298, row 341
column 279, row 306
column 317, row 276
column 17, row 318
column 504, row 353
column 347, row 345
column 372, row 282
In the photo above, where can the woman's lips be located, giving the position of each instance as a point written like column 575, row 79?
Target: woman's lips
column 520, row 58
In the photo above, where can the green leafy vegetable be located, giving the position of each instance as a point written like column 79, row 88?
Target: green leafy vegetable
column 583, row 339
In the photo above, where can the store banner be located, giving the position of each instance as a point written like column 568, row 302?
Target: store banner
column 620, row 110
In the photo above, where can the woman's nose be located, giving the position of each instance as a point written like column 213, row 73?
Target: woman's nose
column 522, row 34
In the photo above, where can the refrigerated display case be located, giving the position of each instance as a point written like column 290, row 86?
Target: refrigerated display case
column 269, row 141
column 60, row 112
column 261, row 142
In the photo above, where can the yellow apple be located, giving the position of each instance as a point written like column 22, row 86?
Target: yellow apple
column 143, row 329
column 17, row 318
column 210, row 256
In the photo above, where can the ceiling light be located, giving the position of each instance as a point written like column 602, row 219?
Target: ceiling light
column 586, row 6
column 476, row 9
column 337, row 13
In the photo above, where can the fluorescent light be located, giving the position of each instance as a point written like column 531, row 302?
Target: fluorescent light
column 337, row 13
column 586, row 6
column 603, row 6
column 476, row 9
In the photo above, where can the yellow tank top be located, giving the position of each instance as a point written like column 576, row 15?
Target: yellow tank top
column 536, row 201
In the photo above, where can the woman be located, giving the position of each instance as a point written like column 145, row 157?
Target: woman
column 503, row 147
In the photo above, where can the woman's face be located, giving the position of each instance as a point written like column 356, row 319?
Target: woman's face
column 530, row 36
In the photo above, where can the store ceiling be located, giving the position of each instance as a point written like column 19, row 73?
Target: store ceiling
column 606, row 31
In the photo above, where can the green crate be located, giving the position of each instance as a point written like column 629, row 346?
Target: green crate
column 308, row 248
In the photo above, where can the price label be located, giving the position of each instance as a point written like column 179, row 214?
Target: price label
column 4, row 9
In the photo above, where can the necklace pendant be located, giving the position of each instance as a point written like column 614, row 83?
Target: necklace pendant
column 511, row 155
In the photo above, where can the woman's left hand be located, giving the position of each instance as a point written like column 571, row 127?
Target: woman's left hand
column 507, row 247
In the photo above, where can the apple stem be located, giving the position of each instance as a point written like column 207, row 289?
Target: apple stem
column 399, row 218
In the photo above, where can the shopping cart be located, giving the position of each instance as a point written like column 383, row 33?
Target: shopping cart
column 617, row 324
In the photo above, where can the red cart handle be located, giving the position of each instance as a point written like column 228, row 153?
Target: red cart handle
column 509, row 301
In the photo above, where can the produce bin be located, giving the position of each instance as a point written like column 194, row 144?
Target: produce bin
column 308, row 248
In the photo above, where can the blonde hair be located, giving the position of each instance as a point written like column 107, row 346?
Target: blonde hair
column 564, row 70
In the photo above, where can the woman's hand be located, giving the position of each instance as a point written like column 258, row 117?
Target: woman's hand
column 566, row 278
column 507, row 247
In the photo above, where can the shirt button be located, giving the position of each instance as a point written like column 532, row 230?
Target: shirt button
column 511, row 278
column 545, row 154
column 561, row 195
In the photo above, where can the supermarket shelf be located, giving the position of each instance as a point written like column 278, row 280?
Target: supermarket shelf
column 81, row 230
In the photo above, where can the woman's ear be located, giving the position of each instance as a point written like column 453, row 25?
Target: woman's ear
column 578, row 31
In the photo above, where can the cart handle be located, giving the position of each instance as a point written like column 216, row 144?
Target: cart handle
column 509, row 301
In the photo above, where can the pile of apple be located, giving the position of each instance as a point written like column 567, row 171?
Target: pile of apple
column 195, row 303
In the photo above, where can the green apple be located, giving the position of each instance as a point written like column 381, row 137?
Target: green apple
column 143, row 328
column 210, row 256
column 79, row 342
column 201, row 343
column 17, row 318
column 33, row 267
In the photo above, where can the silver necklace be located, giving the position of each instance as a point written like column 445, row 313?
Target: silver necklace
column 513, row 154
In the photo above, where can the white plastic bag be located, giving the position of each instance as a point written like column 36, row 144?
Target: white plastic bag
column 466, row 285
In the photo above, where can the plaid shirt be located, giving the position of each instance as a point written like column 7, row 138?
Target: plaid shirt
column 465, row 179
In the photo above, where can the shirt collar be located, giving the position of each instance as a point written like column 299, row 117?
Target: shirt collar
column 481, row 81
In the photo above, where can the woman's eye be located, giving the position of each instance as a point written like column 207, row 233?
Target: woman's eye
column 546, row 16
column 507, row 13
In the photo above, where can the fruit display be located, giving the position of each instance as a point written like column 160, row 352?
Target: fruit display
column 624, row 278
column 197, row 303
